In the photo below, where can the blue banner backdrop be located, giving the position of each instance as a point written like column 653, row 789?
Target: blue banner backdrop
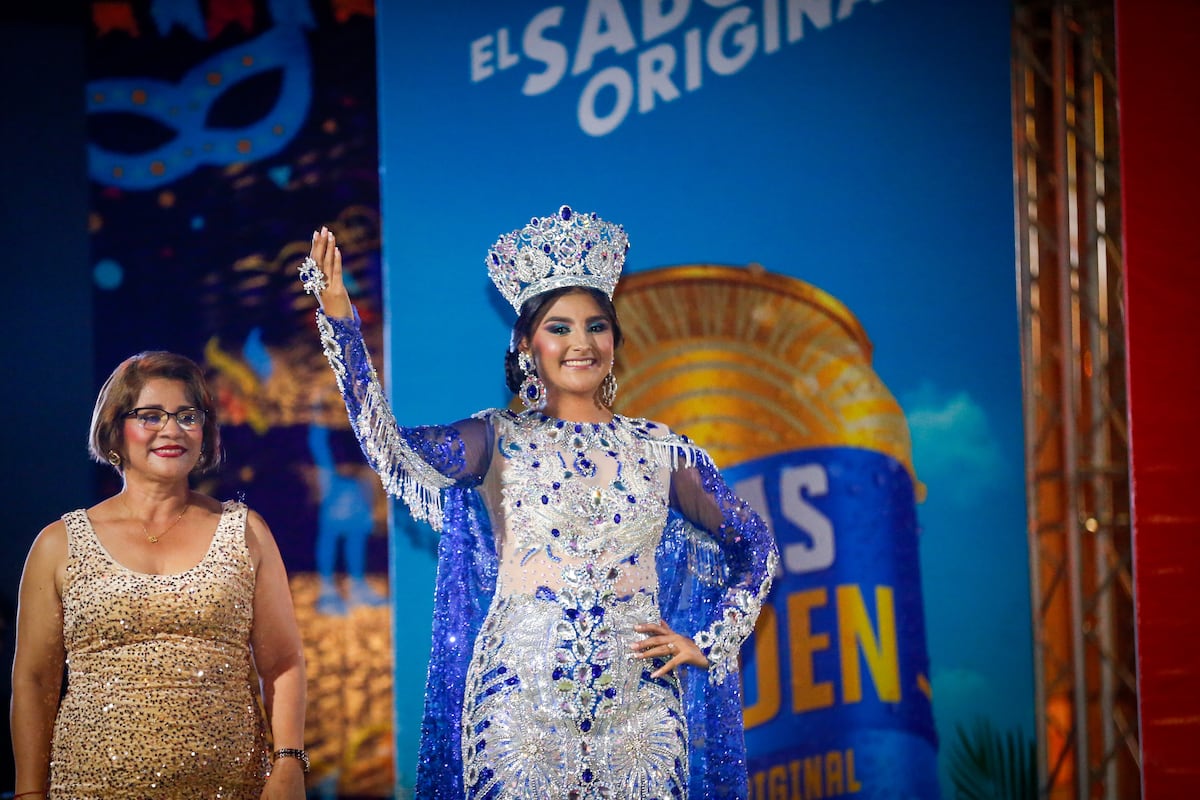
column 863, row 147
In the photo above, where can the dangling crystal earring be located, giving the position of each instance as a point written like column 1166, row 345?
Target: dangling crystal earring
column 533, row 391
column 608, row 390
column 114, row 458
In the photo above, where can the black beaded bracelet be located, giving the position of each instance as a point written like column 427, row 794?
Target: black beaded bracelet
column 292, row 752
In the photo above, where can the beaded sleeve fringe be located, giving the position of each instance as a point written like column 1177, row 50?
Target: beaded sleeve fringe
column 721, row 641
column 403, row 473
column 750, row 579
column 675, row 454
column 705, row 560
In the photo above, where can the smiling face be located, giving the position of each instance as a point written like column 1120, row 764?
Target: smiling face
column 572, row 346
column 171, row 453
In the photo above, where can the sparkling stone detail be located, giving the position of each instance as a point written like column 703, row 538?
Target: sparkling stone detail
column 565, row 249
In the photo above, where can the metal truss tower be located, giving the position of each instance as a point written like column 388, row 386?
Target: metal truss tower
column 1068, row 230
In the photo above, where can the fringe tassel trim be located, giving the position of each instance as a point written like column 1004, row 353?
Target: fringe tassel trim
column 402, row 472
column 673, row 454
column 706, row 562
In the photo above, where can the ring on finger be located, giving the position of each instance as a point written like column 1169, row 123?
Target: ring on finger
column 670, row 647
column 313, row 278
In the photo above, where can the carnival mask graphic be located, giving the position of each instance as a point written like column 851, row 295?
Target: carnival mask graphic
column 181, row 111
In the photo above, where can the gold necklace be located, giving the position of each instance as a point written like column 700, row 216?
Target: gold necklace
column 163, row 532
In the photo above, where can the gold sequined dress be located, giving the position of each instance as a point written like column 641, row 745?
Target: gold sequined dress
column 161, row 699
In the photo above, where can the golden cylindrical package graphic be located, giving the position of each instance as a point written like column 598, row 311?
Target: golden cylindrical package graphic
column 751, row 363
column 773, row 377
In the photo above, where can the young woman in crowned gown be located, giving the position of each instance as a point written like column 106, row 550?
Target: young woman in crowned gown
column 596, row 576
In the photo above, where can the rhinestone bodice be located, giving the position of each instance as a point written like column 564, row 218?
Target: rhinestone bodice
column 576, row 496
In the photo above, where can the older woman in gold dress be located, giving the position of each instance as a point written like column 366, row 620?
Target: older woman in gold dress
column 173, row 616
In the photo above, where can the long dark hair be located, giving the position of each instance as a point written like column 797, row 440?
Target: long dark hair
column 532, row 312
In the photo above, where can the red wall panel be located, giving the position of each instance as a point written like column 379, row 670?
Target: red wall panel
column 1158, row 58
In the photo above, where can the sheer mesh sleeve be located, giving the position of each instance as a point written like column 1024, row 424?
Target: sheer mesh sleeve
column 700, row 495
column 414, row 464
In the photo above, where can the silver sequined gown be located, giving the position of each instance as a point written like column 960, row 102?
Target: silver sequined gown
column 554, row 705
column 161, row 699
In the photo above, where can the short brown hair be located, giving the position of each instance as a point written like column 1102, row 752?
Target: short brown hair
column 121, row 390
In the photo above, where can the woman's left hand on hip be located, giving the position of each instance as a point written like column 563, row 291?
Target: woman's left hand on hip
column 662, row 642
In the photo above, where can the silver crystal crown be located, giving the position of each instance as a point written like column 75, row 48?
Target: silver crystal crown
column 566, row 249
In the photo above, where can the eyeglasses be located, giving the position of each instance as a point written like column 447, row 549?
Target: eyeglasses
column 155, row 419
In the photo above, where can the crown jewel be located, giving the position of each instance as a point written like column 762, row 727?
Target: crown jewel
column 566, row 249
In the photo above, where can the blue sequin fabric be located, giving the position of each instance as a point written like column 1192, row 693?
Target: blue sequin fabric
column 557, row 539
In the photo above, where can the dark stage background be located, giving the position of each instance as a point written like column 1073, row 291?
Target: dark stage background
column 47, row 304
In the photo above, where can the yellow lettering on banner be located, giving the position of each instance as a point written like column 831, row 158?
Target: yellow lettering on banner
column 855, row 633
column 779, row 783
column 759, row 781
column 813, row 783
column 852, row 784
column 767, row 692
column 806, row 693
column 823, row 776
column 834, row 784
